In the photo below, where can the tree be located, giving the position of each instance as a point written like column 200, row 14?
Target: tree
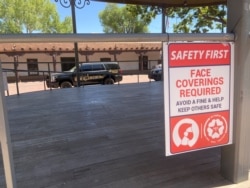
column 28, row 16
column 191, row 19
column 116, row 19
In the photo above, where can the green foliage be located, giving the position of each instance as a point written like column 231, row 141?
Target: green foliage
column 18, row 16
column 199, row 19
column 190, row 19
column 116, row 19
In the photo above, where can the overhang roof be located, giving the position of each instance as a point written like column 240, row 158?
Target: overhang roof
column 8, row 48
column 169, row 3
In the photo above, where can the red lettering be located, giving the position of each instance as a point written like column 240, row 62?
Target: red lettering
column 200, row 92
column 200, row 73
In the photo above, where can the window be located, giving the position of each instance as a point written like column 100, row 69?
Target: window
column 143, row 62
column 86, row 67
column 97, row 67
column 112, row 66
column 32, row 67
column 67, row 63
column 105, row 59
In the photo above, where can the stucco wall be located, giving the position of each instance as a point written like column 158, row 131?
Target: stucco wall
column 128, row 60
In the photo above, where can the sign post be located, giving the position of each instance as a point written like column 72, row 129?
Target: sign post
column 198, row 95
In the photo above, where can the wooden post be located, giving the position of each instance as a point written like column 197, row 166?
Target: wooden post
column 235, row 159
column 5, row 139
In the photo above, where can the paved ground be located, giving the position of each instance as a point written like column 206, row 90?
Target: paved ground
column 25, row 87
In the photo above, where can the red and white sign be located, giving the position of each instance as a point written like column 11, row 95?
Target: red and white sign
column 198, row 95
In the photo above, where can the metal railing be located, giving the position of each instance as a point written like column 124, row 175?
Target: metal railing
column 16, row 77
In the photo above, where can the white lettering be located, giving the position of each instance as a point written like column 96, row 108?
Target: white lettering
column 199, row 54
column 216, row 54
column 187, row 54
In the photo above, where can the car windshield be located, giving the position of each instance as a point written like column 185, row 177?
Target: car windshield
column 159, row 66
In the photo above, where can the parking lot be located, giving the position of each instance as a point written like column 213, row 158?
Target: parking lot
column 25, row 87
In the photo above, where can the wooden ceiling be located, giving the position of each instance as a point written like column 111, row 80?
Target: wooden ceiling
column 169, row 3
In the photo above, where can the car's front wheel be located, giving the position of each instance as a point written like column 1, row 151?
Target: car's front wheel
column 157, row 78
column 109, row 81
column 66, row 84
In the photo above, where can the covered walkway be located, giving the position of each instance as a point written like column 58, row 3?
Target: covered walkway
column 101, row 136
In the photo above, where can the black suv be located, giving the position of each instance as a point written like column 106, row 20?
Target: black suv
column 89, row 73
column 156, row 73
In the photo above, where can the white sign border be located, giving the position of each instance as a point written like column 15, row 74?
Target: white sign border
column 165, row 47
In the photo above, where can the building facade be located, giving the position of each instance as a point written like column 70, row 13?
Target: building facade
column 31, row 61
